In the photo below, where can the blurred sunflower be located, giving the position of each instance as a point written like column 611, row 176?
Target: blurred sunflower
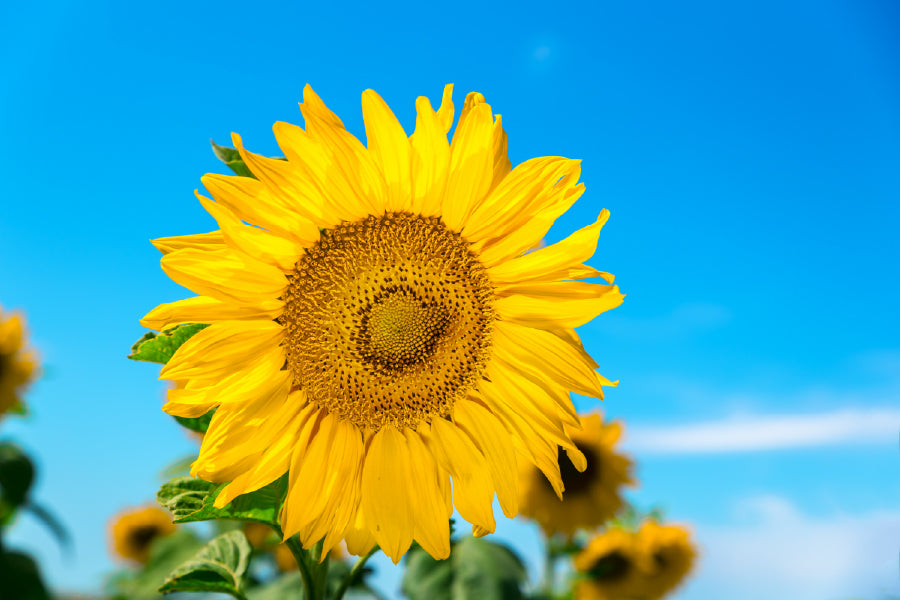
column 671, row 555
column 591, row 496
column 377, row 326
column 612, row 567
column 134, row 531
column 18, row 364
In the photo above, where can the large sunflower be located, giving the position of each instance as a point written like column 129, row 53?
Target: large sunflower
column 133, row 531
column 18, row 364
column 592, row 495
column 378, row 326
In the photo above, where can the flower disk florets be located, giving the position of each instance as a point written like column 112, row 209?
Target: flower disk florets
column 388, row 320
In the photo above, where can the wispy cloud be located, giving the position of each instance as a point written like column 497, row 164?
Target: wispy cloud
column 769, row 432
column 776, row 551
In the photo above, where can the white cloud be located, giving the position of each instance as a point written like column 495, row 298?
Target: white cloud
column 776, row 552
column 755, row 433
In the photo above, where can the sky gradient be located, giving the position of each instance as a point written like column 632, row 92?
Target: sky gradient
column 749, row 153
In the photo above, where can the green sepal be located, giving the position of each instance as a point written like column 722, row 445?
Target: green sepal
column 16, row 478
column 159, row 347
column 191, row 499
column 220, row 566
column 232, row 159
column 198, row 424
column 477, row 568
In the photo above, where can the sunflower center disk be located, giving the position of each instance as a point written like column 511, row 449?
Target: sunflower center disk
column 388, row 320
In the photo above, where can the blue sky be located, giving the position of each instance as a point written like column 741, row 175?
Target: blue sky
column 748, row 153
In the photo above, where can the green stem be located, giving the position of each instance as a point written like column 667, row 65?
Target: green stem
column 549, row 578
column 300, row 556
column 318, row 571
column 357, row 567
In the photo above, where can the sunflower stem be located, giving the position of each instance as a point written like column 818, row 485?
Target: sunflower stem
column 549, row 578
column 354, row 572
column 301, row 556
column 318, row 571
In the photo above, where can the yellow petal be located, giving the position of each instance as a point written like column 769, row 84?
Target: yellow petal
column 502, row 165
column 445, row 112
column 430, row 160
column 389, row 146
column 255, row 203
column 203, row 309
column 214, row 240
column 562, row 304
column 259, row 243
column 431, row 517
column 225, row 275
column 491, row 437
column 553, row 262
column 473, row 492
column 386, row 504
column 526, row 191
column 544, row 354
column 471, row 165
column 220, row 348
column 522, row 232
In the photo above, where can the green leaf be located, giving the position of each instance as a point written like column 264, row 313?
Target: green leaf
column 21, row 577
column 477, row 568
column 159, row 348
column 232, row 158
column 16, row 477
column 220, row 566
column 199, row 424
column 191, row 499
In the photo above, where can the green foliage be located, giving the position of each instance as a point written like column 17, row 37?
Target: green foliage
column 220, row 566
column 16, row 477
column 191, row 499
column 477, row 568
column 159, row 347
column 20, row 577
column 232, row 158
column 286, row 587
column 165, row 556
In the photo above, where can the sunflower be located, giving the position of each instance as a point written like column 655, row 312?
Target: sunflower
column 135, row 530
column 592, row 495
column 612, row 568
column 671, row 556
column 18, row 365
column 377, row 326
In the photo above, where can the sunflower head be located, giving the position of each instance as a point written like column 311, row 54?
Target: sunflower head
column 133, row 532
column 378, row 325
column 18, row 364
column 670, row 556
column 611, row 567
column 591, row 496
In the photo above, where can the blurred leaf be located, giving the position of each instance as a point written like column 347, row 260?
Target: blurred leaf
column 286, row 587
column 166, row 554
column 232, row 158
column 52, row 523
column 198, row 424
column 191, row 499
column 220, row 566
column 20, row 577
column 159, row 348
column 16, row 477
column 179, row 468
column 477, row 568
